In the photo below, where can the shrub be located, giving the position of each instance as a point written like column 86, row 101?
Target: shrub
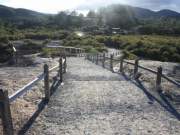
column 30, row 47
column 4, row 39
column 128, row 55
column 6, row 52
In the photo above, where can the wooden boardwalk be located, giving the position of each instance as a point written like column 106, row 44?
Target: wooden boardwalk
column 95, row 101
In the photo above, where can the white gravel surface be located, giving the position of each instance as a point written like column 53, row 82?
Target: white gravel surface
column 95, row 101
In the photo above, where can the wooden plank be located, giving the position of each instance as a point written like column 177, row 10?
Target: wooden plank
column 171, row 80
column 136, row 65
column 53, row 68
column 26, row 88
column 148, row 69
column 69, row 47
column 130, row 63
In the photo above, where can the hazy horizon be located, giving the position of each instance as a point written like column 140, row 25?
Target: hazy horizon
column 82, row 6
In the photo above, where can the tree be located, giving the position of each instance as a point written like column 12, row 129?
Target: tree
column 91, row 14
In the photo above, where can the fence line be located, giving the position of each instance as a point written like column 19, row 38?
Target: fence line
column 79, row 52
column 159, row 74
column 5, row 100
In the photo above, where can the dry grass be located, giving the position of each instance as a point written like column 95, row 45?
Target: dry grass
column 13, row 78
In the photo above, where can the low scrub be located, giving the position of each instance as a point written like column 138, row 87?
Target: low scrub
column 6, row 52
column 31, row 47
column 162, row 48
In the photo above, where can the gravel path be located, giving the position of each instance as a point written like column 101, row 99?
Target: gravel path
column 95, row 101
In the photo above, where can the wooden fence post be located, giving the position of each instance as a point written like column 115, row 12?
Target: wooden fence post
column 103, row 61
column 158, row 79
column 61, row 69
column 94, row 59
column 136, row 67
column 65, row 64
column 97, row 58
column 46, row 82
column 121, row 65
column 81, row 53
column 111, row 62
column 6, row 113
column 87, row 56
column 76, row 52
column 84, row 53
column 70, row 50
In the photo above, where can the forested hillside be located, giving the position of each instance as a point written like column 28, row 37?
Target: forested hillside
column 125, row 17
column 22, row 24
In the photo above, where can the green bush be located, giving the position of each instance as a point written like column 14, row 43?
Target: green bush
column 128, row 55
column 6, row 52
column 31, row 46
column 162, row 48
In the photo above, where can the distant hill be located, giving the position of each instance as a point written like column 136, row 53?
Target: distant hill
column 20, row 16
column 123, row 16
column 146, row 13
column 8, row 12
column 138, row 12
column 168, row 13
column 126, row 16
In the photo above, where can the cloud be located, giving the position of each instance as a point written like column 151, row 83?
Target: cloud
column 94, row 4
column 47, row 6
column 157, row 4
column 150, row 4
column 54, row 6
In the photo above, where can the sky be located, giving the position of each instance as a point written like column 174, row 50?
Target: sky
column 55, row 6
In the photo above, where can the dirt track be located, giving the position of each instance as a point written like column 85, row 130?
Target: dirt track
column 94, row 101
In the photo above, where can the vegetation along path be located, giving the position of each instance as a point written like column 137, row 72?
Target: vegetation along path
column 95, row 101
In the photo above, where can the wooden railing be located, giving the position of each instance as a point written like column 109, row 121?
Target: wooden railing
column 96, row 58
column 73, row 51
column 6, row 100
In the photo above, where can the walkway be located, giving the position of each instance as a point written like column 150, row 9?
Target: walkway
column 95, row 101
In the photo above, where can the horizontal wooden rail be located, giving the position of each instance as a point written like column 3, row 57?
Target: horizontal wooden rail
column 116, row 60
column 171, row 80
column 136, row 65
column 63, row 47
column 130, row 63
column 155, row 72
column 5, row 100
column 72, row 50
column 53, row 68
column 26, row 88
column 148, row 69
